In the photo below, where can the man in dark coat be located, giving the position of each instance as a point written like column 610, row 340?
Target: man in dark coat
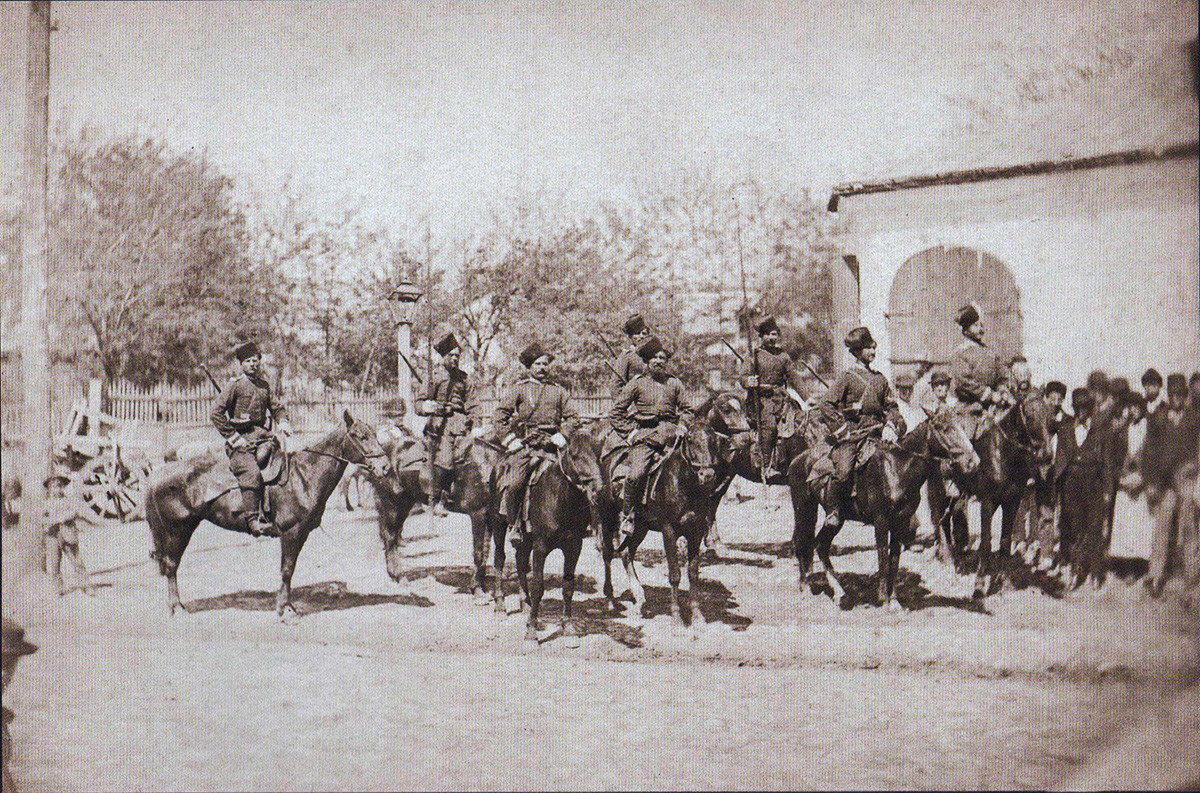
column 244, row 414
column 858, row 407
column 1171, row 440
column 770, row 380
column 651, row 412
column 535, row 418
column 1152, row 384
column 1084, row 466
column 628, row 365
column 980, row 378
column 447, row 406
column 14, row 648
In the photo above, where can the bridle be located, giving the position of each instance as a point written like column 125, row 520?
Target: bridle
column 356, row 444
column 1030, row 447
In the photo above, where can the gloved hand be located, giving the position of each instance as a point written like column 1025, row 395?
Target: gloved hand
column 558, row 439
column 889, row 434
column 752, row 381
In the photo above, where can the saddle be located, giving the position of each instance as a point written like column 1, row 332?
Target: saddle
column 542, row 460
column 273, row 462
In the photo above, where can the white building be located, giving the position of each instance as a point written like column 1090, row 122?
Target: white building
column 1078, row 264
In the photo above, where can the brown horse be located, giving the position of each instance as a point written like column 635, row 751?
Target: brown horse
column 182, row 494
column 471, row 494
column 678, row 499
column 1010, row 453
column 561, row 503
column 887, row 492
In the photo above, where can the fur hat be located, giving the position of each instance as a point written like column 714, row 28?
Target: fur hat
column 447, row 344
column 651, row 347
column 1097, row 380
column 940, row 378
column 1082, row 399
column 859, row 338
column 1118, row 387
column 968, row 315
column 1152, row 377
column 247, row 350
column 635, row 324
column 1056, row 387
column 767, row 325
column 1176, row 383
column 532, row 353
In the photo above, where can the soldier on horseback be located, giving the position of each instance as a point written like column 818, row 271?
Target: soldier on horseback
column 980, row 379
column 858, row 407
column 534, row 419
column 770, row 381
column 628, row 365
column 243, row 414
column 446, row 404
column 658, row 420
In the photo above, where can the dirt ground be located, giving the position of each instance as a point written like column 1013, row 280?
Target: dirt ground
column 415, row 686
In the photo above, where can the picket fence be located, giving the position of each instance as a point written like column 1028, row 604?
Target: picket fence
column 308, row 408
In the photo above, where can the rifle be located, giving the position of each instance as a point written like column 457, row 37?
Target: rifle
column 736, row 354
column 611, row 352
column 756, row 402
column 200, row 363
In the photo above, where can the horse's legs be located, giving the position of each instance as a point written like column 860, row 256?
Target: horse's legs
column 695, row 540
column 169, row 544
column 713, row 537
column 497, row 530
column 536, row 587
column 804, row 529
column 522, row 559
column 881, row 551
column 606, row 551
column 824, row 544
column 479, row 543
column 987, row 509
column 290, row 544
column 571, row 549
column 1009, row 512
column 671, row 551
column 635, row 586
column 894, row 547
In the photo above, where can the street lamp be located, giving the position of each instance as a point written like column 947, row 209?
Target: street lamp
column 402, row 305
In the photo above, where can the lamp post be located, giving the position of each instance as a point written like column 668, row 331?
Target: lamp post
column 402, row 303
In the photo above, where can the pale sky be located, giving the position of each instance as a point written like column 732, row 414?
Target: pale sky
column 447, row 109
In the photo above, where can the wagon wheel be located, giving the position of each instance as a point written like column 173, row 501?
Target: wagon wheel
column 105, row 485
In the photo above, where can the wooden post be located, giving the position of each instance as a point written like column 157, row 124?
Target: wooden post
column 35, row 343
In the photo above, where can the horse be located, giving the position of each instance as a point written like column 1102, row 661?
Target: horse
column 886, row 495
column 471, row 494
column 561, row 509
column 677, row 503
column 1013, row 450
column 737, row 457
column 182, row 494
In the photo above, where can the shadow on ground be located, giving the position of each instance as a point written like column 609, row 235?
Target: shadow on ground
column 912, row 594
column 310, row 599
column 783, row 550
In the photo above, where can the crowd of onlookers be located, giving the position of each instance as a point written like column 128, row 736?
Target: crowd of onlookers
column 1107, row 437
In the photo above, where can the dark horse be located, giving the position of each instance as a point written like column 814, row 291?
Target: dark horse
column 470, row 494
column 1011, row 451
column 886, row 494
column 737, row 457
column 561, row 504
column 678, row 498
column 182, row 494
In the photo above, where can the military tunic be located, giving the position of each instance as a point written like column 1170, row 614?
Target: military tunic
column 449, row 423
column 245, row 409
column 859, row 403
column 769, row 400
column 657, row 406
column 534, row 411
column 975, row 367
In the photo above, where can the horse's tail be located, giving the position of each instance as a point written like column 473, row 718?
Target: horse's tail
column 158, row 527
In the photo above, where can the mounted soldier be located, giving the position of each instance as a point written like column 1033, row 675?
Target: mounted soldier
column 657, row 420
column 770, row 381
column 858, row 408
column 980, row 379
column 244, row 414
column 447, row 406
column 533, row 421
column 628, row 365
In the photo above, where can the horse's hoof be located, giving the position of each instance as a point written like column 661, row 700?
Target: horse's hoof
column 531, row 633
column 894, row 607
column 547, row 633
column 482, row 599
column 512, row 604
column 288, row 615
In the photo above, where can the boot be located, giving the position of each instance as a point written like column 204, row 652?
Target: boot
column 837, row 497
column 437, row 498
column 251, row 513
column 625, row 530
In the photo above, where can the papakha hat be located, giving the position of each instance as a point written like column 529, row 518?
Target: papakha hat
column 635, row 324
column 247, row 350
column 448, row 343
column 532, row 353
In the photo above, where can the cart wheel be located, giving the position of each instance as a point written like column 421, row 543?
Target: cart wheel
column 101, row 485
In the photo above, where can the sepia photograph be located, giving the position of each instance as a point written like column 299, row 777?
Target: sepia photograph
column 600, row 395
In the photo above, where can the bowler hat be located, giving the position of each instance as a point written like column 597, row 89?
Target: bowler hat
column 767, row 325
column 1082, row 399
column 1152, row 377
column 1176, row 383
column 635, row 324
column 1056, row 387
column 859, row 338
column 939, row 378
column 447, row 344
column 968, row 315
column 247, row 350
column 14, row 640
column 651, row 347
column 532, row 353
column 1097, row 380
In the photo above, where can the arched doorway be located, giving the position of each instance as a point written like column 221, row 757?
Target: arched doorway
column 927, row 293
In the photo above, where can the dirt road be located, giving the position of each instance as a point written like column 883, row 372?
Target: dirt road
column 415, row 686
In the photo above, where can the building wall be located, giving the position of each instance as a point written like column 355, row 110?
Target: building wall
column 1107, row 261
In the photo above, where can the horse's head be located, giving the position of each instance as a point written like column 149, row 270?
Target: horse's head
column 362, row 446
column 581, row 463
column 1036, row 416
column 700, row 447
column 728, row 414
column 949, row 440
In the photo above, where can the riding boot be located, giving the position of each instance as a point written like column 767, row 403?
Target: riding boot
column 838, row 496
column 251, row 512
column 437, row 495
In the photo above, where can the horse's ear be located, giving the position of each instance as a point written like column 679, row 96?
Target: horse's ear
column 347, row 418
